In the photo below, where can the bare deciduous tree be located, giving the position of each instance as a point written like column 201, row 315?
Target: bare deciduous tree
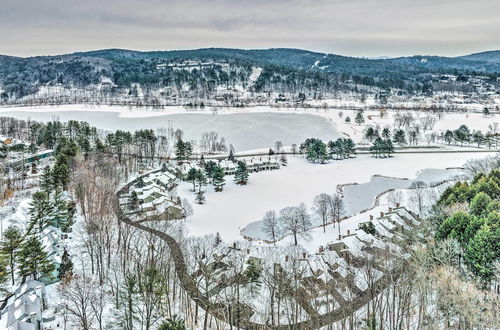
column 270, row 225
column 321, row 205
column 78, row 293
column 294, row 223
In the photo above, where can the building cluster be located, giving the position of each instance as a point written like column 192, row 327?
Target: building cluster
column 345, row 269
column 151, row 197
column 27, row 308
column 254, row 164
column 343, row 273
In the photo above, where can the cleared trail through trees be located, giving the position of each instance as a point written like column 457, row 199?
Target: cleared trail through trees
column 221, row 311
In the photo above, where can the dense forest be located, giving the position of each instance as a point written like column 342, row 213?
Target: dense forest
column 202, row 71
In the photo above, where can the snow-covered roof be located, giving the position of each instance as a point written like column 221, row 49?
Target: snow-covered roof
column 21, row 325
column 29, row 286
column 24, row 307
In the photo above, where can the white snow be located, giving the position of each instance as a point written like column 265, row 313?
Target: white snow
column 194, row 126
column 229, row 211
column 244, row 130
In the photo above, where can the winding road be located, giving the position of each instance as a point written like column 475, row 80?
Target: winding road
column 220, row 311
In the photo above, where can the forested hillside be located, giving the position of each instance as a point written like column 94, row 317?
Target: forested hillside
column 204, row 74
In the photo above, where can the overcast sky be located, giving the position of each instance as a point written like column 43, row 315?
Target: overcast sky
column 347, row 27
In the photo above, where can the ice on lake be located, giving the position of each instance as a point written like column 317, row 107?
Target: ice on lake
column 246, row 131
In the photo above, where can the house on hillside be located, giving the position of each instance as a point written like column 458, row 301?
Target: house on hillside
column 24, row 309
column 154, row 197
column 53, row 241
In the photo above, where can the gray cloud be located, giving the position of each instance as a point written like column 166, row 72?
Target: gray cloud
column 355, row 27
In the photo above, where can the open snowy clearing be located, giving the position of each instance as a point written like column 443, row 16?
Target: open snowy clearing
column 230, row 211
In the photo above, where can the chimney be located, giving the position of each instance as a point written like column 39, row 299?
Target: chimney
column 390, row 209
column 371, row 216
column 397, row 204
column 248, row 251
column 234, row 245
column 286, row 258
column 381, row 214
column 321, row 248
column 348, row 232
column 340, row 237
column 304, row 255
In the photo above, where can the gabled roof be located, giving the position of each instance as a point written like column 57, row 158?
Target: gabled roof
column 29, row 286
column 23, row 307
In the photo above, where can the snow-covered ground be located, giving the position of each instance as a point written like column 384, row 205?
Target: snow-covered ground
column 244, row 130
column 252, row 128
column 230, row 211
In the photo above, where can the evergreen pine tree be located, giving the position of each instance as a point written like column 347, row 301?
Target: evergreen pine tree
column 210, row 168
column 387, row 147
column 241, row 173
column 482, row 252
column 66, row 268
column 448, row 136
column 128, row 296
column 141, row 183
column 188, row 150
column 39, row 212
column 201, row 179
column 252, row 272
column 399, row 137
column 134, row 201
column 350, row 147
column 46, row 180
column 9, row 246
column 217, row 239
column 218, row 178
column 33, row 260
column 60, row 175
column 4, row 271
column 370, row 133
column 100, row 146
column 180, row 151
column 59, row 209
column 359, row 119
column 70, row 216
column 386, row 134
column 191, row 177
column 377, row 147
column 173, row 323
column 316, row 151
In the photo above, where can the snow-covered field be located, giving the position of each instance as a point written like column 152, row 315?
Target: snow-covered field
column 230, row 211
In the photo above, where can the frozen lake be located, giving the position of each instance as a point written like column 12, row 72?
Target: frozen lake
column 246, row 131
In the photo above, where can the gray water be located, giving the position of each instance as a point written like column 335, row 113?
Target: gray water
column 245, row 131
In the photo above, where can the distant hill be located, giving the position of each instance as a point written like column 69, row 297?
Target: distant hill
column 308, row 60
column 492, row 56
column 282, row 70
